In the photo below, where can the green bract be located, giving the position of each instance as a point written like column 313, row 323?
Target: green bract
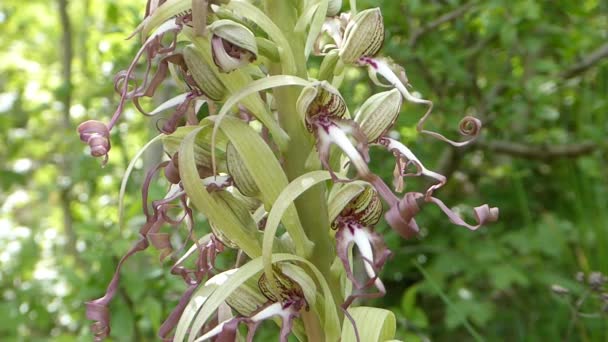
column 205, row 75
column 241, row 176
column 236, row 34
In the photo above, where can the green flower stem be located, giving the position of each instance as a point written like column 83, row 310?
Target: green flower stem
column 313, row 327
column 311, row 206
column 285, row 16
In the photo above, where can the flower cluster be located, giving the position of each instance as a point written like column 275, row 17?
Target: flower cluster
column 273, row 133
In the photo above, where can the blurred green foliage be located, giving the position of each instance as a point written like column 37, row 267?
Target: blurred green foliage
column 535, row 72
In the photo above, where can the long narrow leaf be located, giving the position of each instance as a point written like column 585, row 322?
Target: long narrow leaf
column 373, row 325
column 306, row 18
column 219, row 213
column 125, row 178
column 196, row 302
column 292, row 191
column 315, row 26
column 252, row 88
column 268, row 176
column 167, row 10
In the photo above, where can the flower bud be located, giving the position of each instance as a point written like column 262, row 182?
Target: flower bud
column 559, row 290
column 366, row 208
column 378, row 114
column 241, row 176
column 233, row 45
column 340, row 196
column 97, row 135
column 300, row 277
column 203, row 74
column 363, row 37
column 330, row 66
column 320, row 99
column 334, row 7
column 222, row 237
column 596, row 280
column 289, row 289
column 358, row 201
column 172, row 170
column 202, row 150
column 247, row 299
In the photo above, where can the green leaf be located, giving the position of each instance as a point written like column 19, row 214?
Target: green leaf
column 449, row 303
column 153, row 311
column 461, row 310
column 268, row 175
column 373, row 325
column 505, row 276
column 417, row 318
column 408, row 302
column 305, row 18
column 254, row 87
column 196, row 302
column 283, row 202
column 164, row 12
column 125, row 179
column 315, row 26
column 219, row 213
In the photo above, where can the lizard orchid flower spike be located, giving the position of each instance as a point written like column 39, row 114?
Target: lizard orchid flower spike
column 264, row 160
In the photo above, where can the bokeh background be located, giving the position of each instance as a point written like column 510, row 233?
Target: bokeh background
column 535, row 72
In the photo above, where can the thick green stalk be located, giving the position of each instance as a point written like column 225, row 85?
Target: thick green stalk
column 312, row 206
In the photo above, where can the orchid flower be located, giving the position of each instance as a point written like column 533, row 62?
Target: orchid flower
column 287, row 306
column 325, row 114
column 354, row 226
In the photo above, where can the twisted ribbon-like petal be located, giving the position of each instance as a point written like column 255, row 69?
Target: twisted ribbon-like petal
column 97, row 135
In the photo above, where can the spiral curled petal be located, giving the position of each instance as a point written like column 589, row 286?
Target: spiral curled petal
column 401, row 215
column 97, row 135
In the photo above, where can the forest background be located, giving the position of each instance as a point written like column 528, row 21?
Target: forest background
column 535, row 72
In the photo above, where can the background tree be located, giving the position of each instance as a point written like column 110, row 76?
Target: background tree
column 535, row 72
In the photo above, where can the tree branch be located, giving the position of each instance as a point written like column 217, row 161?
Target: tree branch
column 450, row 16
column 586, row 62
column 539, row 152
column 66, row 59
column 66, row 100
